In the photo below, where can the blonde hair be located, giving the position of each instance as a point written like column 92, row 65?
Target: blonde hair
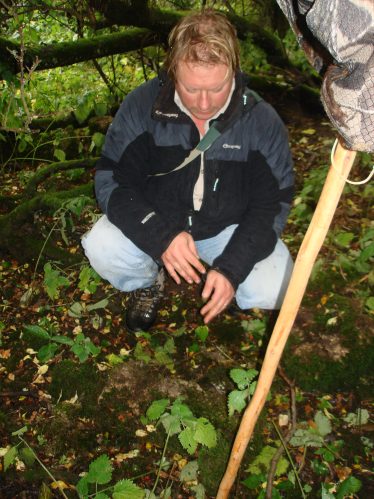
column 207, row 38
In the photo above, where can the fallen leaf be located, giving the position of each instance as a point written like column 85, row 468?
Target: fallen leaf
column 59, row 484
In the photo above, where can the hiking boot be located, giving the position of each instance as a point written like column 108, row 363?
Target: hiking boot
column 143, row 305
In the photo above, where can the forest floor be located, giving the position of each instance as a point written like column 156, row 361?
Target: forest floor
column 68, row 403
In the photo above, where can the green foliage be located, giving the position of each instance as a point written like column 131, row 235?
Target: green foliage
column 79, row 309
column 256, row 326
column 244, row 379
column 201, row 335
column 84, row 348
column 81, row 346
column 262, row 462
column 358, row 418
column 305, row 202
column 349, row 486
column 253, row 59
column 88, row 280
column 179, row 420
column 53, row 281
column 100, row 473
column 312, row 436
column 151, row 348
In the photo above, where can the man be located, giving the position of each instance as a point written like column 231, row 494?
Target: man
column 226, row 208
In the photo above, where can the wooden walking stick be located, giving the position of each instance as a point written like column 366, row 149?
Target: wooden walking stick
column 309, row 249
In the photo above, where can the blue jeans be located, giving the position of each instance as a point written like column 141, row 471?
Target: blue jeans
column 116, row 259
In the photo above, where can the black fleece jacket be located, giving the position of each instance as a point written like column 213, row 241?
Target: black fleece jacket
column 248, row 177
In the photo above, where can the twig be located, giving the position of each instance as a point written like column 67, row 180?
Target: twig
column 284, row 440
column 161, row 462
column 19, row 394
column 44, row 467
column 223, row 352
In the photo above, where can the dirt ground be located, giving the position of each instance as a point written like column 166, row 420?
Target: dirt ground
column 76, row 411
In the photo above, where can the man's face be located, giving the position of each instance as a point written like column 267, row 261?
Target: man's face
column 203, row 88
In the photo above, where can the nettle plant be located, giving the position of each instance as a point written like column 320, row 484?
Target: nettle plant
column 178, row 419
column 245, row 381
column 46, row 334
column 159, row 346
column 51, row 342
column 316, row 435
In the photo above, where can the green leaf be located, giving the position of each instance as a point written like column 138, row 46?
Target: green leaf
column 82, row 487
column 45, row 492
column 83, row 347
column 344, row 239
column 59, row 154
column 82, row 111
column 326, row 494
column 262, row 462
column 10, row 457
column 37, row 332
column 181, row 410
column 100, row 470
column 205, row 433
column 97, row 141
column 360, row 417
column 202, row 333
column 62, row 339
column 101, row 109
column 189, row 471
column 53, row 281
column 306, row 438
column 169, row 346
column 88, row 280
column 140, row 354
column 157, row 408
column 171, row 424
column 254, row 481
column 237, row 401
column 149, row 494
column 127, row 489
column 76, row 205
column 369, row 303
column 114, row 359
column 76, row 310
column 242, row 377
column 21, row 431
column 323, row 423
column 100, row 304
column 256, row 326
column 101, row 495
column 349, row 486
column 27, row 455
column 367, row 253
column 199, row 491
column 187, row 440
column 47, row 352
column 163, row 358
column 166, row 493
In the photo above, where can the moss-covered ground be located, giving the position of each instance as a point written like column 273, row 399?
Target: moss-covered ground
column 74, row 411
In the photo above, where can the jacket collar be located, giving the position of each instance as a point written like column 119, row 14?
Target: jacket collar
column 165, row 108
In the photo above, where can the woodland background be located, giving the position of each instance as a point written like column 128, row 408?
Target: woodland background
column 89, row 410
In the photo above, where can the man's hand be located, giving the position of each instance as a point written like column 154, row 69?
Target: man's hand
column 219, row 292
column 181, row 259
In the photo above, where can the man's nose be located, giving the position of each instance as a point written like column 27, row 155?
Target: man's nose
column 203, row 100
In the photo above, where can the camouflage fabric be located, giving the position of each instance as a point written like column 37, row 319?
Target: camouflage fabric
column 338, row 39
